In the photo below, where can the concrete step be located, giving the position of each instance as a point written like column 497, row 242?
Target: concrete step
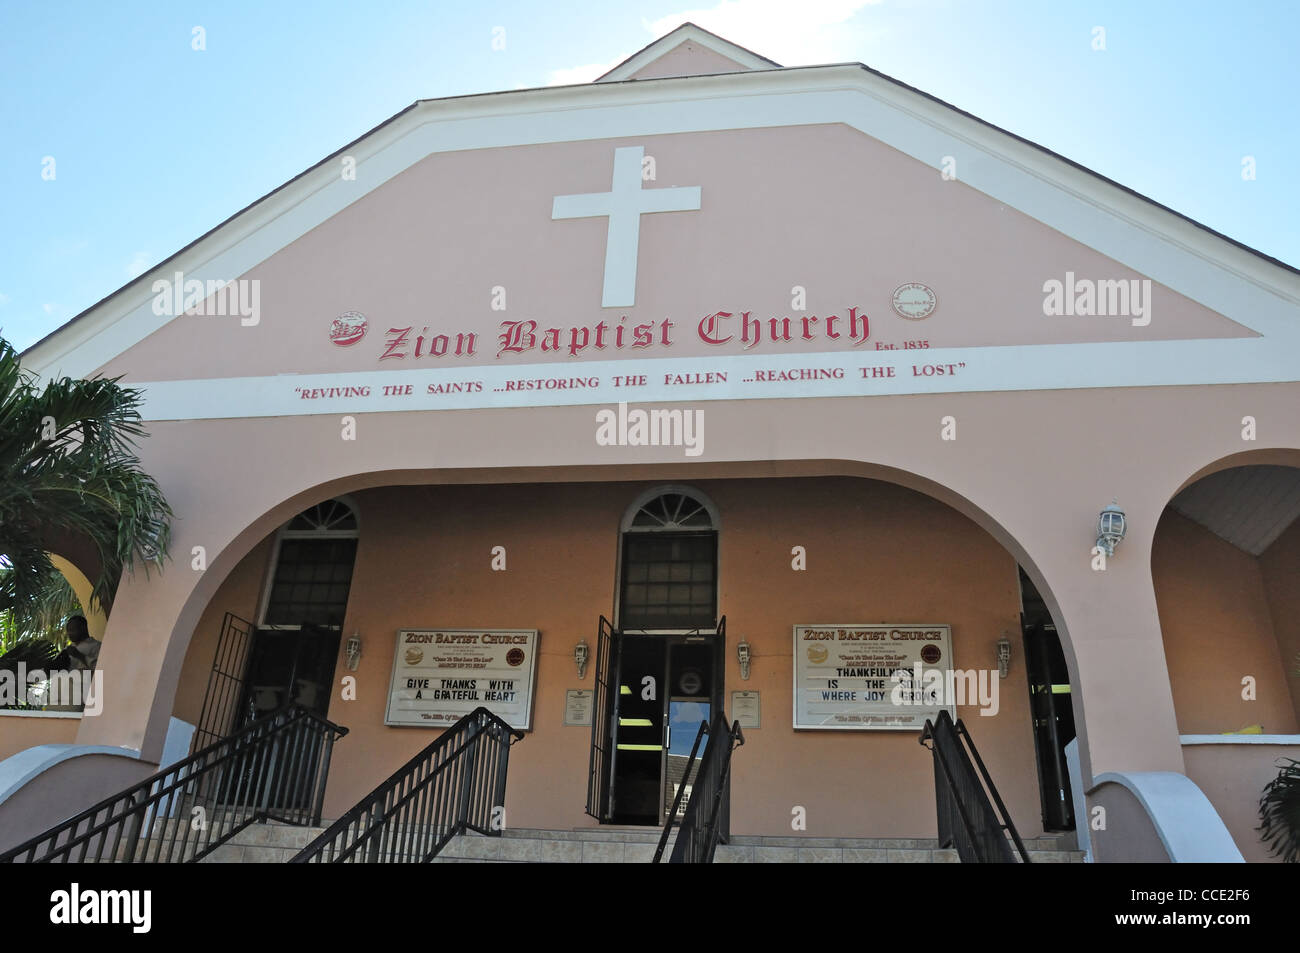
column 270, row 843
column 277, row 843
column 604, row 845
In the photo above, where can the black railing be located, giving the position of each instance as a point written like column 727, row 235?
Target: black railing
column 456, row 784
column 967, row 820
column 274, row 769
column 706, row 820
column 681, row 791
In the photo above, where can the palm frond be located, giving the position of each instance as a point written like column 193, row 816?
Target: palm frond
column 1279, row 812
column 67, row 467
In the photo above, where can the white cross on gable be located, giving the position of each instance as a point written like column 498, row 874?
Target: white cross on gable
column 624, row 205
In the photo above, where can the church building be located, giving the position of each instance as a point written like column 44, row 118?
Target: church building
column 794, row 396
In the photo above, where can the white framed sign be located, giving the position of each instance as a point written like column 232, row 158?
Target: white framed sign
column 441, row 675
column 845, row 676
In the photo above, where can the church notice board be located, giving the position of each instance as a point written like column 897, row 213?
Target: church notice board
column 844, row 676
column 441, row 675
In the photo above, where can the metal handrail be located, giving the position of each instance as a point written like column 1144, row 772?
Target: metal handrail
column 980, row 833
column 273, row 769
column 455, row 784
column 681, row 790
column 700, row 831
column 1005, row 815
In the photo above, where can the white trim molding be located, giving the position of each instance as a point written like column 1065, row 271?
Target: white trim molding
column 17, row 770
column 1188, row 825
column 968, row 370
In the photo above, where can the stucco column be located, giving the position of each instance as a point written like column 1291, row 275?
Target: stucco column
column 137, row 670
column 1124, row 708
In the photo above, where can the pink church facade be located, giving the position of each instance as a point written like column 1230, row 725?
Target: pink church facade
column 888, row 364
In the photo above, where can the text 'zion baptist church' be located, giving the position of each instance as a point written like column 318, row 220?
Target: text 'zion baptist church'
column 718, row 328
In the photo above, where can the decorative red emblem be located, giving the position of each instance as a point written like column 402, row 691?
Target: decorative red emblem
column 931, row 654
column 515, row 657
column 348, row 328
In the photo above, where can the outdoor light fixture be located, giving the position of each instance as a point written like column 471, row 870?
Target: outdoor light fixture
column 580, row 655
column 743, row 655
column 353, row 650
column 1110, row 528
column 1004, row 656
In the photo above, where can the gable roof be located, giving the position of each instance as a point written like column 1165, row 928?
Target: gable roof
column 686, row 33
column 1117, row 221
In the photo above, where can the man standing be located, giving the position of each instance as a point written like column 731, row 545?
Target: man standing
column 81, row 655
column 83, row 652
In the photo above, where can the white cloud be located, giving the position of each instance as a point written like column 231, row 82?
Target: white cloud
column 4, row 299
column 138, row 264
column 47, row 308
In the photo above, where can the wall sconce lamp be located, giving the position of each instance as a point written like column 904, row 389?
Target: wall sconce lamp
column 580, row 655
column 1004, row 656
column 353, row 650
column 1110, row 528
column 743, row 655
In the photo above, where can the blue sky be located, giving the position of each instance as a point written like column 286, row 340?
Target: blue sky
column 155, row 142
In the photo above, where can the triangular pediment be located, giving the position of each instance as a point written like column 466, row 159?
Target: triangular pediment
column 772, row 200
column 689, row 50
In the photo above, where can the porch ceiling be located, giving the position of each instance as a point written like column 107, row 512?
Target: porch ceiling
column 1249, row 507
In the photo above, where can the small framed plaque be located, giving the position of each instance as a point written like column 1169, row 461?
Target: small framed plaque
column 744, row 709
column 577, row 706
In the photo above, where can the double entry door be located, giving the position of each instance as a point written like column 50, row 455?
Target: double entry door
column 664, row 686
column 1053, row 715
column 287, row 665
column 290, row 665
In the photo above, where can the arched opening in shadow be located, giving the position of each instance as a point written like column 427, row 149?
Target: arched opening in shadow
column 882, row 547
column 1225, row 563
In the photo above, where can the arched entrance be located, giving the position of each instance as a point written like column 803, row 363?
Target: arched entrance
column 880, row 551
column 1225, row 561
column 665, row 655
column 288, row 652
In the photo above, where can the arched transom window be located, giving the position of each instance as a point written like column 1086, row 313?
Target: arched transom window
column 670, row 562
column 671, row 511
column 313, row 567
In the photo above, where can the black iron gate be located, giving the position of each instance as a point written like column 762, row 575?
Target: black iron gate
column 603, row 714
column 220, row 715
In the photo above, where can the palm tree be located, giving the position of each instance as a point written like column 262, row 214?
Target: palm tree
column 67, row 470
column 55, row 604
column 1279, row 812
